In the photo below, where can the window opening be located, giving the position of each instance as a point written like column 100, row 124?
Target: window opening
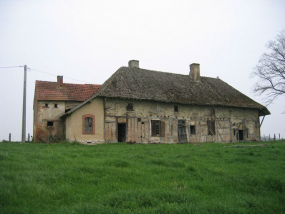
column 56, row 105
column 157, row 128
column 175, row 108
column 192, row 130
column 130, row 106
column 88, row 124
column 46, row 105
column 49, row 123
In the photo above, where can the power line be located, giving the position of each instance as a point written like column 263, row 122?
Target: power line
column 57, row 75
column 12, row 67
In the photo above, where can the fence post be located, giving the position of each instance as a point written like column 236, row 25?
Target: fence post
column 9, row 137
column 29, row 137
column 279, row 136
column 274, row 137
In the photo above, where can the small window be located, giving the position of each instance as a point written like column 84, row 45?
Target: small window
column 130, row 107
column 49, row 123
column 56, row 105
column 175, row 108
column 157, row 128
column 192, row 130
column 88, row 124
column 211, row 127
column 46, row 105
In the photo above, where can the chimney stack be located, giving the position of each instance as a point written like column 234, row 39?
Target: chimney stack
column 60, row 81
column 133, row 64
column 195, row 71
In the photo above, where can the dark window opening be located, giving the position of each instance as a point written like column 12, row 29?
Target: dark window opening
column 142, row 122
column 211, row 127
column 88, row 142
column 130, row 107
column 157, row 128
column 56, row 105
column 175, row 108
column 192, row 129
column 49, row 123
column 88, row 125
column 46, row 105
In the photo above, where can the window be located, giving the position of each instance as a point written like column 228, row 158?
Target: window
column 88, row 124
column 157, row 128
column 46, row 105
column 130, row 107
column 49, row 123
column 56, row 105
column 175, row 108
column 192, row 130
column 211, row 127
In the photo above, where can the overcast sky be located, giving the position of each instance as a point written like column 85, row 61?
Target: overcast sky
column 89, row 40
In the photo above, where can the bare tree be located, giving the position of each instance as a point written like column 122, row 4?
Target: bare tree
column 270, row 70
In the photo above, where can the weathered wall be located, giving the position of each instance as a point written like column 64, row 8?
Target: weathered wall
column 74, row 123
column 43, row 114
column 138, row 121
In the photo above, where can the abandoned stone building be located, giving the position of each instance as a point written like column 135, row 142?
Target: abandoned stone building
column 145, row 106
column 52, row 100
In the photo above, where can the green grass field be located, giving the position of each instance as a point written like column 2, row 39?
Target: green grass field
column 152, row 178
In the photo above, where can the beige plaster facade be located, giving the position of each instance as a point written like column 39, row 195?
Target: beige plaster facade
column 74, row 123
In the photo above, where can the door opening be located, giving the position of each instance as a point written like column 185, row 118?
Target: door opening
column 121, row 132
column 240, row 134
column 182, row 135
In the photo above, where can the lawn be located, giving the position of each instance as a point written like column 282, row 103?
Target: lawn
column 135, row 178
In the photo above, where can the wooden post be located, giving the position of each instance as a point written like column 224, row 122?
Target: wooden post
column 269, row 137
column 9, row 137
column 274, row 137
column 29, row 137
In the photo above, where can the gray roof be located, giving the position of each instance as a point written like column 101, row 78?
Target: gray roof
column 142, row 84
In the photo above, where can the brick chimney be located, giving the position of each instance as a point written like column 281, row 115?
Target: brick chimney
column 60, row 81
column 134, row 64
column 195, row 71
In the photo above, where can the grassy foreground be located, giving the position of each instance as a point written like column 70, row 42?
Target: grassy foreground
column 124, row 178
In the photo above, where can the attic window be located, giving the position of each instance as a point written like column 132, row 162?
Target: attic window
column 56, row 105
column 49, row 123
column 46, row 105
column 175, row 108
column 130, row 107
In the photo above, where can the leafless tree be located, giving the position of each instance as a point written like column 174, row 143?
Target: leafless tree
column 270, row 70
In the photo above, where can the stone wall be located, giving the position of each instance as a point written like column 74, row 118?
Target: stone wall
column 226, row 121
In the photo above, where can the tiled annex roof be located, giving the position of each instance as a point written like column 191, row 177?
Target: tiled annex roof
column 69, row 92
column 142, row 84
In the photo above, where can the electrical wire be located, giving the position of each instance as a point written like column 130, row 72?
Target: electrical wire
column 12, row 67
column 57, row 75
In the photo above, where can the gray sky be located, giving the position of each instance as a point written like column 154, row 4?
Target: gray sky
column 89, row 40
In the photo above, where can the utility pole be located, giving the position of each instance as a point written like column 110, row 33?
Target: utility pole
column 24, row 106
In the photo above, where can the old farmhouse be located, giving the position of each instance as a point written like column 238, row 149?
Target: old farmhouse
column 144, row 106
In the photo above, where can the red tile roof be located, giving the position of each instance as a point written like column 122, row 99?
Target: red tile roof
column 72, row 92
